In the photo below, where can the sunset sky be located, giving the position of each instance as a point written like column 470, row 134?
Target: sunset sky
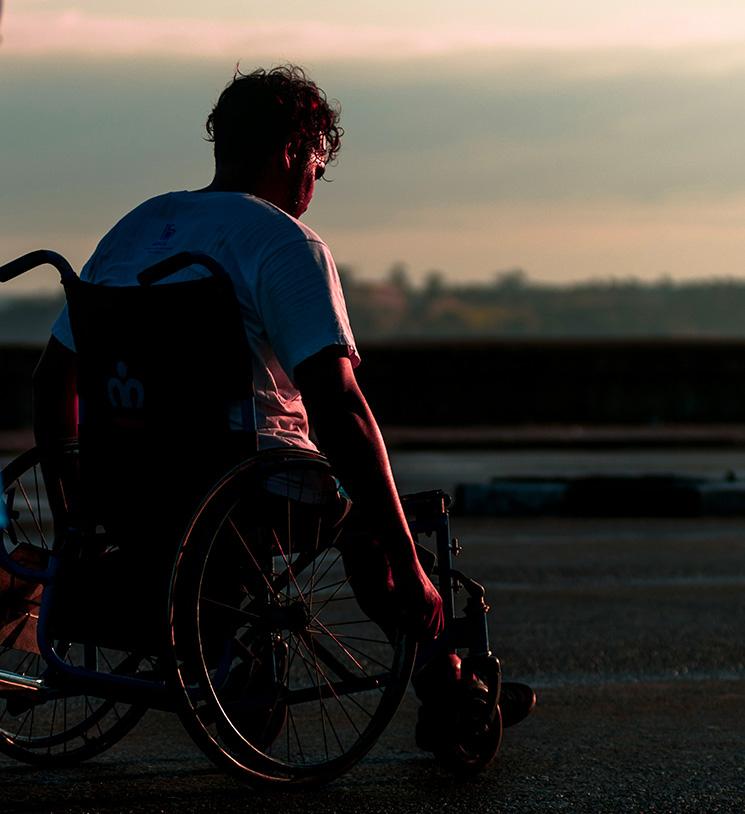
column 576, row 139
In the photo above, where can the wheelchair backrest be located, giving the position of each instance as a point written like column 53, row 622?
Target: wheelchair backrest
column 165, row 395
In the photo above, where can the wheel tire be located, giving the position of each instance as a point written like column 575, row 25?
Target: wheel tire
column 50, row 727
column 287, row 617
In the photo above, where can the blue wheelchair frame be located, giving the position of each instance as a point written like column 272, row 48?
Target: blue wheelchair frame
column 3, row 511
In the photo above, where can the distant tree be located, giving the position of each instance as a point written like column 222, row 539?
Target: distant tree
column 346, row 276
column 434, row 284
column 512, row 280
column 398, row 276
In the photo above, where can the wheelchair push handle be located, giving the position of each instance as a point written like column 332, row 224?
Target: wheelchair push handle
column 31, row 260
column 170, row 265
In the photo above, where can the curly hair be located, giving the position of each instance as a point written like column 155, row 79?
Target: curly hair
column 263, row 111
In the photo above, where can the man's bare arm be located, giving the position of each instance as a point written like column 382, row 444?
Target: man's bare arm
column 349, row 435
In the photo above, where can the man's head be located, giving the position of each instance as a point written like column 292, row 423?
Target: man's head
column 275, row 123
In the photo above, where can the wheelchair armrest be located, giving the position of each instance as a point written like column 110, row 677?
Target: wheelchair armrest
column 427, row 498
column 426, row 511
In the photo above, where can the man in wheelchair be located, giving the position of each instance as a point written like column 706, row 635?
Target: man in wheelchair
column 274, row 133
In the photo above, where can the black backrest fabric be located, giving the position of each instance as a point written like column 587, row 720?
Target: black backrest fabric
column 168, row 357
column 159, row 370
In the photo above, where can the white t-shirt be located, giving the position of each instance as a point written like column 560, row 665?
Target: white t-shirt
column 284, row 277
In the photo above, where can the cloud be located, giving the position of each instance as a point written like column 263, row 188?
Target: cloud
column 571, row 164
column 73, row 31
column 37, row 32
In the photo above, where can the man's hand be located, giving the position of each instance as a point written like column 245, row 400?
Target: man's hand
column 421, row 604
column 408, row 599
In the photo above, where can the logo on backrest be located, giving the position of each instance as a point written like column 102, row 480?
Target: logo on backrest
column 125, row 393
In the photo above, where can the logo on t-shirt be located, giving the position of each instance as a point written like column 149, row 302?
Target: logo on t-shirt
column 169, row 230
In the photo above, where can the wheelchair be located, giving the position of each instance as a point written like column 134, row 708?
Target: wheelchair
column 205, row 578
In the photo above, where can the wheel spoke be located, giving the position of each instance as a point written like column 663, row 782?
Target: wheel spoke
column 297, row 737
column 332, row 598
column 315, row 566
column 331, row 661
column 36, row 520
column 38, row 496
column 250, row 553
column 289, row 569
column 325, row 553
column 330, row 685
column 216, row 603
column 368, row 656
column 317, row 685
column 336, row 636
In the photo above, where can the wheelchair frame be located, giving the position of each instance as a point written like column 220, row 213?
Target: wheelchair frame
column 428, row 516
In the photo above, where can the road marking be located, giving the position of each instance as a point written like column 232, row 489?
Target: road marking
column 702, row 533
column 559, row 584
column 559, row 680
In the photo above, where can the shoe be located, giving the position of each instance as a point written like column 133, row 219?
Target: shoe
column 516, row 702
column 437, row 687
column 434, row 683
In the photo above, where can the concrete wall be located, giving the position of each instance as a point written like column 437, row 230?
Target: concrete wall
column 514, row 382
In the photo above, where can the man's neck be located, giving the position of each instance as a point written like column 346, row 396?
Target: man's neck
column 266, row 187
column 232, row 181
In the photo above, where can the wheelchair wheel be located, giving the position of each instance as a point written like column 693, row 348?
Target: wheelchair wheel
column 51, row 726
column 284, row 679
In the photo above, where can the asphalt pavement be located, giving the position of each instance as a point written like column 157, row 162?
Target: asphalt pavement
column 631, row 632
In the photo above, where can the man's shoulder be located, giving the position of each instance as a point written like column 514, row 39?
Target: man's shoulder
column 280, row 224
column 149, row 209
column 238, row 205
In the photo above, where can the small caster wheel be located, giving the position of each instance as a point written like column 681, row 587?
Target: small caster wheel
column 476, row 735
